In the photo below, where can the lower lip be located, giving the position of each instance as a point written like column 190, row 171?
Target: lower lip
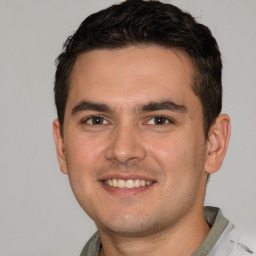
column 126, row 192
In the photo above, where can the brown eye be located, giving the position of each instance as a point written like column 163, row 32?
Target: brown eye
column 159, row 120
column 95, row 120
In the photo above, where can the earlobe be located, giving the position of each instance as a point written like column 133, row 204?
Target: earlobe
column 217, row 143
column 59, row 146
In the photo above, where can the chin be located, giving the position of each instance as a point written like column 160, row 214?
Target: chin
column 130, row 225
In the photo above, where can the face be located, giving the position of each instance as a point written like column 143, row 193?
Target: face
column 134, row 146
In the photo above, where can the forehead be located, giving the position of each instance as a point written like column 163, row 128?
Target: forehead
column 132, row 75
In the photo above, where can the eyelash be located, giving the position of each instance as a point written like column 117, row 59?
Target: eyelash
column 86, row 121
column 99, row 120
column 160, row 118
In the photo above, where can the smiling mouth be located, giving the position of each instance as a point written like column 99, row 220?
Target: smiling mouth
column 130, row 183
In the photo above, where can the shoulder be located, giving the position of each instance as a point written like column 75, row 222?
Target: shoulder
column 229, row 243
column 242, row 250
column 92, row 247
column 224, row 238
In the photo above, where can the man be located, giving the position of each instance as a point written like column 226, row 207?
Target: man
column 138, row 94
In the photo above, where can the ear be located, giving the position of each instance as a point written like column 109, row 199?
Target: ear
column 59, row 143
column 217, row 143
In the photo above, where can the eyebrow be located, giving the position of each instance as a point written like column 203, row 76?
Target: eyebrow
column 151, row 106
column 164, row 105
column 87, row 105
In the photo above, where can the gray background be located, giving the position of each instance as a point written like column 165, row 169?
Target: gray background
column 38, row 213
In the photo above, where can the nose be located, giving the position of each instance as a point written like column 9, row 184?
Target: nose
column 126, row 145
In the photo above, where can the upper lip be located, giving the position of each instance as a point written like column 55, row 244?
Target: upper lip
column 125, row 177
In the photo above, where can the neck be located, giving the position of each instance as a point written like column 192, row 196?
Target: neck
column 182, row 239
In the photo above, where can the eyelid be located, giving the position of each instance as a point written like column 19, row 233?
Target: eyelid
column 170, row 120
column 106, row 121
column 85, row 120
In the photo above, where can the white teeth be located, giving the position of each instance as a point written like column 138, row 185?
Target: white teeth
column 127, row 183
column 121, row 183
column 143, row 183
column 114, row 182
column 137, row 183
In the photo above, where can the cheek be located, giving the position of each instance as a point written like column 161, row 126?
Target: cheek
column 81, row 158
column 83, row 153
column 178, row 159
column 168, row 151
column 177, row 155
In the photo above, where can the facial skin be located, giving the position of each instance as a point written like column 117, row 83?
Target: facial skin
column 131, row 114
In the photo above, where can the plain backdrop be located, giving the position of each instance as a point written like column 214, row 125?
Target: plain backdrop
column 39, row 215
